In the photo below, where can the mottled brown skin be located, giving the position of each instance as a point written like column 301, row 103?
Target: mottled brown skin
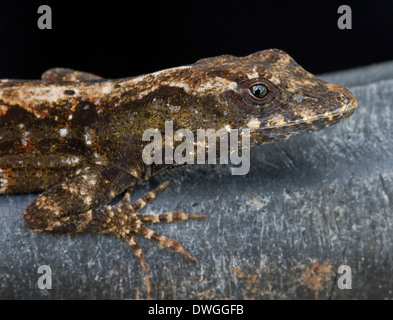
column 78, row 136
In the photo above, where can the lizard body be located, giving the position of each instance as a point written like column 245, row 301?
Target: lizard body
column 78, row 137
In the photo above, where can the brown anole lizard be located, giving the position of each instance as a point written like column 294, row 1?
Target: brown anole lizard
column 78, row 137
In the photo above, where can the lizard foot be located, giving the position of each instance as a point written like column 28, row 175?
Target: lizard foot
column 124, row 221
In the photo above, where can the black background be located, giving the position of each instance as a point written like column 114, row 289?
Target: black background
column 127, row 38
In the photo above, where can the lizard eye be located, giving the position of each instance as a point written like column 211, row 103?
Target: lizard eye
column 259, row 91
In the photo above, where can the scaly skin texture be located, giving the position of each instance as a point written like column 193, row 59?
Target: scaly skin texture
column 79, row 137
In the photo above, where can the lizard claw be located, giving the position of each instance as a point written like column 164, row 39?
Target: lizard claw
column 124, row 221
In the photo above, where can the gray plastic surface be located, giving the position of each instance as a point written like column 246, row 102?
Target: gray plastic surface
column 307, row 206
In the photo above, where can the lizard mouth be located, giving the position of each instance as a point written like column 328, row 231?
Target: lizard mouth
column 279, row 129
column 307, row 122
column 328, row 118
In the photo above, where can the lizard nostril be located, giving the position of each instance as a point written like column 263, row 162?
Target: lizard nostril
column 342, row 99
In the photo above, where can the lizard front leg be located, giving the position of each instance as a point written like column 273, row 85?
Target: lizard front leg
column 79, row 206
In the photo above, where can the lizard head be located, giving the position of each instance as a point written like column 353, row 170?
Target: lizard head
column 266, row 92
column 272, row 95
